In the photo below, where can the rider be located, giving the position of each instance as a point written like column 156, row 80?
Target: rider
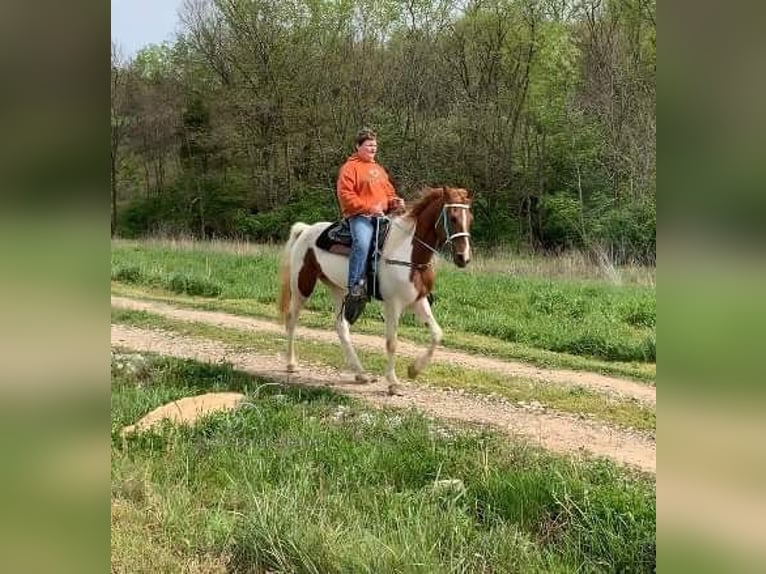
column 364, row 192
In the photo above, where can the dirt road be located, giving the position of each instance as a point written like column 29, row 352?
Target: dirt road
column 610, row 385
column 556, row 432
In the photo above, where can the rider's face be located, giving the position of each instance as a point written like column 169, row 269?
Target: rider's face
column 367, row 150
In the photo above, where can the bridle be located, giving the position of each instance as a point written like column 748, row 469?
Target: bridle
column 443, row 218
column 448, row 241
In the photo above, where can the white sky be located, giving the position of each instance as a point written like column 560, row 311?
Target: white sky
column 136, row 23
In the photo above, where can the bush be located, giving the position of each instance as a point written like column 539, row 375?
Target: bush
column 628, row 230
column 182, row 209
column 640, row 313
column 600, row 345
column 127, row 274
column 561, row 226
column 493, row 226
column 650, row 348
column 150, row 215
column 309, row 205
column 180, row 283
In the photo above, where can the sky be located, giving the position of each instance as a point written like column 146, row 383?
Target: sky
column 136, row 23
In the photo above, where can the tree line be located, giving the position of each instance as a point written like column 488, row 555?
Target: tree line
column 544, row 109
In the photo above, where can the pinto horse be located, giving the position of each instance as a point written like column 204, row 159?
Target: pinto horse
column 406, row 275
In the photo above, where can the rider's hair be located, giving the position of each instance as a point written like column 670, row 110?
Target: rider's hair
column 364, row 135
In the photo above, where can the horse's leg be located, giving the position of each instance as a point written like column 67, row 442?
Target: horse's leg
column 392, row 312
column 422, row 310
column 344, row 334
column 291, row 320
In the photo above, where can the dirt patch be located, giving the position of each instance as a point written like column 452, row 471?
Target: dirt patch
column 557, row 432
column 186, row 410
column 608, row 385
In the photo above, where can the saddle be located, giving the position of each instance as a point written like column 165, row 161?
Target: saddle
column 336, row 238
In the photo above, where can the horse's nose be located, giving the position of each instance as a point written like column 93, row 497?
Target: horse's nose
column 460, row 260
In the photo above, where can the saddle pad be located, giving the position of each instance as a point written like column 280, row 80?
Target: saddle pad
column 338, row 233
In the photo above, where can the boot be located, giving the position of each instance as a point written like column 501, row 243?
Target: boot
column 355, row 302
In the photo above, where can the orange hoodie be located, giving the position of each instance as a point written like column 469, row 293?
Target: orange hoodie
column 363, row 187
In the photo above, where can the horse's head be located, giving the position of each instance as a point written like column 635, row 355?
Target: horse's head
column 442, row 216
column 454, row 224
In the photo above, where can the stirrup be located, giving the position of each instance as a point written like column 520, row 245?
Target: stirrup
column 353, row 308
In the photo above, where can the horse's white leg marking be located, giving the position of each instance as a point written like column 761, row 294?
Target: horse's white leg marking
column 341, row 326
column 392, row 312
column 296, row 303
column 423, row 312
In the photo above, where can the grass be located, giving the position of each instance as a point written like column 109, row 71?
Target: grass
column 579, row 324
column 573, row 400
column 306, row 480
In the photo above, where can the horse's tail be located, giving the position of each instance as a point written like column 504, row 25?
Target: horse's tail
column 285, row 293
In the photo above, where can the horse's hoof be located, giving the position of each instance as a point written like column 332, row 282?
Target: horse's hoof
column 395, row 390
column 362, row 378
column 291, row 368
column 412, row 372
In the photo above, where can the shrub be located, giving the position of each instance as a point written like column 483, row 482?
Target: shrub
column 493, row 226
column 181, row 283
column 561, row 226
column 640, row 313
column 127, row 273
column 309, row 205
column 628, row 230
column 185, row 208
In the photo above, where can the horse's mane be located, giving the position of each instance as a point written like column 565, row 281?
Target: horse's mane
column 427, row 196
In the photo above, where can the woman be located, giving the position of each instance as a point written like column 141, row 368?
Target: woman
column 364, row 192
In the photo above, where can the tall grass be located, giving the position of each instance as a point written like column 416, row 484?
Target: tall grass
column 305, row 480
column 586, row 318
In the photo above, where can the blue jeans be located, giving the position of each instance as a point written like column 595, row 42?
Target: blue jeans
column 362, row 228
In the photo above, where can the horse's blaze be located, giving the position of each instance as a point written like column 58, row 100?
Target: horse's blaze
column 309, row 273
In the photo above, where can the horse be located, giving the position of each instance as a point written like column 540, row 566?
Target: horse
column 440, row 217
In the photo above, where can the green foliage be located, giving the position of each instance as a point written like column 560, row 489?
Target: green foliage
column 514, row 101
column 640, row 312
column 127, row 274
column 146, row 216
column 628, row 230
column 154, row 62
column 190, row 285
column 197, row 206
column 561, row 221
column 493, row 223
column 309, row 205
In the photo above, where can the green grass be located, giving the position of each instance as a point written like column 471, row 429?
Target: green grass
column 572, row 400
column 586, row 325
column 306, row 480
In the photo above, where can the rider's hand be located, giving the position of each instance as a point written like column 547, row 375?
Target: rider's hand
column 396, row 204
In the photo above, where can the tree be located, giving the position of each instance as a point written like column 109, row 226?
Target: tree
column 119, row 121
